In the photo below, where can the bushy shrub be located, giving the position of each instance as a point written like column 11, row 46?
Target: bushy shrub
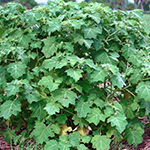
column 73, row 76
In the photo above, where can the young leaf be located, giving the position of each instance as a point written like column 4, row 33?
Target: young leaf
column 50, row 46
column 42, row 132
column 51, row 145
column 143, row 90
column 118, row 120
column 65, row 97
column 9, row 108
column 82, row 108
column 134, row 136
column 95, row 116
column 16, row 69
column 74, row 73
column 101, row 142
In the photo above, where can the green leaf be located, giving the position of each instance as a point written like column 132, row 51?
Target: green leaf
column 16, row 69
column 56, row 128
column 76, row 24
column 24, row 41
column 88, row 43
column 108, row 111
column 136, row 76
column 74, row 73
column 82, row 147
column 31, row 94
column 9, row 108
column 42, row 132
column 128, row 50
column 108, row 67
column 118, row 120
column 61, row 63
column 134, row 136
column 50, row 46
column 117, row 81
column 2, row 75
column 38, row 110
column 64, row 144
column 96, row 17
column 78, row 38
column 105, row 57
column 101, row 142
column 86, row 139
column 52, row 108
column 143, row 90
column 74, row 139
column 33, row 97
column 61, row 118
column 90, row 63
column 50, row 63
column 99, row 75
column 51, row 145
column 47, row 81
column 82, row 108
column 53, row 25
column 69, row 46
column 36, row 44
column 12, row 88
column 92, row 32
column 65, row 97
column 95, row 116
column 79, row 121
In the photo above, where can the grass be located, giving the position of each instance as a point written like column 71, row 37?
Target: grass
column 146, row 18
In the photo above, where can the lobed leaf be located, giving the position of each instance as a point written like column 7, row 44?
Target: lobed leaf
column 9, row 108
column 101, row 142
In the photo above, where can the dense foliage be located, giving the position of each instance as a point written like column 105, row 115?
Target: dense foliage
column 27, row 3
column 73, row 76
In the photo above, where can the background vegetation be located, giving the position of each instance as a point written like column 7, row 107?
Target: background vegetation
column 73, row 76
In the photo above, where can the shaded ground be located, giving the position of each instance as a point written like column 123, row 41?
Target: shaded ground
column 145, row 145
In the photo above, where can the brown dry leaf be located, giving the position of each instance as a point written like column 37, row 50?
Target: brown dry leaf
column 84, row 131
column 65, row 129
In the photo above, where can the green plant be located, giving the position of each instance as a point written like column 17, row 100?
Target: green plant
column 73, row 76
